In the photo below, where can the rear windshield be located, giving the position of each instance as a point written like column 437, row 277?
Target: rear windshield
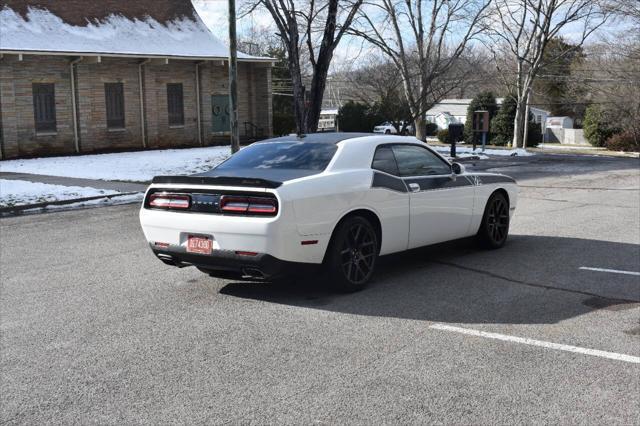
column 282, row 155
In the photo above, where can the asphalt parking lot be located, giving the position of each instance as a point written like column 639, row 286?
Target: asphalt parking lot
column 94, row 329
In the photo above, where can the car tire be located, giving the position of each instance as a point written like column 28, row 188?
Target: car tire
column 352, row 255
column 387, row 132
column 494, row 228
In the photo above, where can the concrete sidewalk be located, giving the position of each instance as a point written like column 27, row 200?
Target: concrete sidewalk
column 67, row 181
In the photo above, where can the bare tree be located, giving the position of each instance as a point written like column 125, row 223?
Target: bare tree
column 522, row 30
column 310, row 31
column 372, row 81
column 426, row 41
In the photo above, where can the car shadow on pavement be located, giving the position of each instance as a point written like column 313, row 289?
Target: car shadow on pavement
column 532, row 280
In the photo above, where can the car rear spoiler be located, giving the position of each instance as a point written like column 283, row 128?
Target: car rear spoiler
column 218, row 180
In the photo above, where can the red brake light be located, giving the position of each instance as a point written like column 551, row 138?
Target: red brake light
column 169, row 201
column 249, row 205
column 234, row 204
column 262, row 206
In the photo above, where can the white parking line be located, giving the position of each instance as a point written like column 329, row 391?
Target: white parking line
column 613, row 271
column 540, row 343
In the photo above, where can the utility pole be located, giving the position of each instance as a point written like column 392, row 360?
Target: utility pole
column 233, row 78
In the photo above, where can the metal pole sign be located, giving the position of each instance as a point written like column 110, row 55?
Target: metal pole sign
column 233, row 79
column 480, row 126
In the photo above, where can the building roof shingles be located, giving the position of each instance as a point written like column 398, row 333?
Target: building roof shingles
column 147, row 28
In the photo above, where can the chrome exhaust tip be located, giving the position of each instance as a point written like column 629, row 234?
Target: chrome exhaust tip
column 253, row 273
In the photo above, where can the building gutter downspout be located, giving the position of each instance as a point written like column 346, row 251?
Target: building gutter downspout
column 142, row 109
column 198, row 101
column 74, row 103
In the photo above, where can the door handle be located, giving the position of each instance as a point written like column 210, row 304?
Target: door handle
column 414, row 187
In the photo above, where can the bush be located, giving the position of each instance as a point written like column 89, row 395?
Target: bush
column 443, row 135
column 358, row 117
column 431, row 129
column 283, row 124
column 623, row 142
column 597, row 129
column 534, row 135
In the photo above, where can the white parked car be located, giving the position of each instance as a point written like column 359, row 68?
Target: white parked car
column 388, row 128
column 330, row 200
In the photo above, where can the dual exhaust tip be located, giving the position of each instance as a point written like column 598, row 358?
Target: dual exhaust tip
column 252, row 273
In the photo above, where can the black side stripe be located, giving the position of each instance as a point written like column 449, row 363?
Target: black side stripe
column 382, row 180
column 495, row 179
column 441, row 182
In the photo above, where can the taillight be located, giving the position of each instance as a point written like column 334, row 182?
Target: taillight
column 163, row 200
column 248, row 205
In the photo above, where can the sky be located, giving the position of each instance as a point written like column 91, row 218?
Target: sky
column 214, row 14
column 352, row 51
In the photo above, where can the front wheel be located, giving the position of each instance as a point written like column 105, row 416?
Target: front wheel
column 495, row 222
column 352, row 255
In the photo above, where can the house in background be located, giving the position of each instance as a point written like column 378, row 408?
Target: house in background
column 82, row 76
column 454, row 111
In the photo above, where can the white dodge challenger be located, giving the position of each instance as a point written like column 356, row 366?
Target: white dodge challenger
column 333, row 200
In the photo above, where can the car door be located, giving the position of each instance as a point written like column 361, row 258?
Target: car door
column 390, row 196
column 440, row 202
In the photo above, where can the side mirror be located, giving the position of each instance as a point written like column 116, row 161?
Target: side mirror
column 457, row 168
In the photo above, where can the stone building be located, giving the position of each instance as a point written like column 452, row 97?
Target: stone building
column 81, row 76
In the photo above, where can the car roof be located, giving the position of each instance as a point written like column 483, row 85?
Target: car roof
column 327, row 137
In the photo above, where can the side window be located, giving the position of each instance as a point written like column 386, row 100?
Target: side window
column 175, row 104
column 44, row 107
column 114, row 99
column 385, row 161
column 417, row 161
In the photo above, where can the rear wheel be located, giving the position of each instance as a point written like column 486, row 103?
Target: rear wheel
column 495, row 222
column 352, row 255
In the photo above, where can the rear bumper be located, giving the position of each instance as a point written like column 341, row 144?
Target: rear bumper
column 228, row 264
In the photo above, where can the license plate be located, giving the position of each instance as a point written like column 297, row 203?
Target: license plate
column 200, row 245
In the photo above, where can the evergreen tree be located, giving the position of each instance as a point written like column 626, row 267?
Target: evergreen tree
column 502, row 124
column 483, row 101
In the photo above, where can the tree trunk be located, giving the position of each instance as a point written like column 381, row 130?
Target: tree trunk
column 318, row 85
column 298, row 94
column 518, row 124
column 421, row 128
column 526, row 126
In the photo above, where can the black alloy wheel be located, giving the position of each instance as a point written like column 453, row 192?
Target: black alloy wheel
column 353, row 254
column 495, row 222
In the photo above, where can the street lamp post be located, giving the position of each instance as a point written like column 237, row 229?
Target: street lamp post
column 233, row 78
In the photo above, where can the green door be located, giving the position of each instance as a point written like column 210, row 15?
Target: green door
column 220, row 110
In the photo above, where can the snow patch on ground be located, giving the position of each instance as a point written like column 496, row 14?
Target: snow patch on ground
column 138, row 166
column 22, row 192
column 100, row 202
column 468, row 151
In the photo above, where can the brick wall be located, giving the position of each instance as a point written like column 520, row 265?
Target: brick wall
column 91, row 78
column 16, row 103
column 19, row 137
column 159, row 133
